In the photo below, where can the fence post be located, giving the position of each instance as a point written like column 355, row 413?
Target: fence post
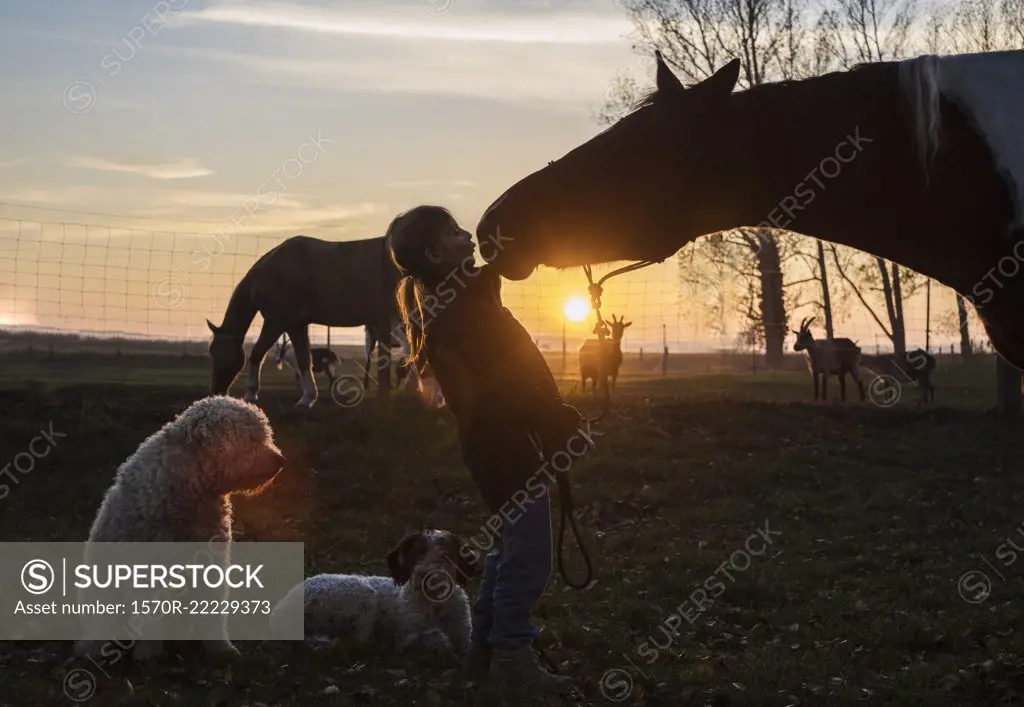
column 664, row 353
column 563, row 346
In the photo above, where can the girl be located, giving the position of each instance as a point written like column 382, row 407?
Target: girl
column 506, row 404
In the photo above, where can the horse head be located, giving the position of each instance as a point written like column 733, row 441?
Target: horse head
column 228, row 358
column 625, row 194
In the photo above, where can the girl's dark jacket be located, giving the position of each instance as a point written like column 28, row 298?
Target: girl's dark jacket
column 496, row 383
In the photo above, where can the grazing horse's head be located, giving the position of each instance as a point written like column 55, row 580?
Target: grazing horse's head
column 228, row 358
column 624, row 194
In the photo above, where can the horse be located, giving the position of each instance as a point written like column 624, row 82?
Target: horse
column 398, row 340
column 325, row 361
column 299, row 282
column 920, row 162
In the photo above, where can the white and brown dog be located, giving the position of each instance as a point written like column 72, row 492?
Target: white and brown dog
column 422, row 605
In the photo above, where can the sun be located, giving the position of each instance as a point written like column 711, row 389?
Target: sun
column 577, row 308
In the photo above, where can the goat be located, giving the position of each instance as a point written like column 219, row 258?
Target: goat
column 590, row 365
column 324, row 360
column 917, row 366
column 829, row 357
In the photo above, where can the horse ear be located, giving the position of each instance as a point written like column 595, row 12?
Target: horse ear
column 665, row 80
column 212, row 327
column 722, row 82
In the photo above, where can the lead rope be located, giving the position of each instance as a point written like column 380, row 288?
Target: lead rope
column 564, row 486
column 565, row 504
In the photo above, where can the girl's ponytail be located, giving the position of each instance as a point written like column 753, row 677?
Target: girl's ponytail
column 409, row 306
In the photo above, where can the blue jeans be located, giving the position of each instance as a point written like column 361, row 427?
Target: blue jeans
column 515, row 574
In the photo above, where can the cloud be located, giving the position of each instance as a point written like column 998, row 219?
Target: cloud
column 13, row 163
column 223, row 200
column 430, row 183
column 75, row 195
column 191, row 211
column 186, row 168
column 408, row 23
column 552, row 77
column 285, row 213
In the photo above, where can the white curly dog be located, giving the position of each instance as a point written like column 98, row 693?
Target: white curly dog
column 176, row 487
column 422, row 605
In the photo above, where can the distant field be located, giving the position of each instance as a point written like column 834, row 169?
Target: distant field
column 969, row 384
column 857, row 601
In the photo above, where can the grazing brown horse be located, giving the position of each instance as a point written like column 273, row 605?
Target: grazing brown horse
column 300, row 282
column 920, row 162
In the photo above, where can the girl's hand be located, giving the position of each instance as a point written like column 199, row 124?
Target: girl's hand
column 560, row 425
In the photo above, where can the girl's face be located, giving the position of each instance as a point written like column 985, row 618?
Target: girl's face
column 454, row 245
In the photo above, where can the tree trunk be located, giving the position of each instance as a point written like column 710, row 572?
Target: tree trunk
column 773, row 306
column 826, row 301
column 893, row 305
column 899, row 338
column 965, row 335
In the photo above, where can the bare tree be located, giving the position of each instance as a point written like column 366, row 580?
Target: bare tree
column 621, row 95
column 868, row 30
column 1013, row 17
column 965, row 335
column 826, row 298
column 869, row 279
column 976, row 26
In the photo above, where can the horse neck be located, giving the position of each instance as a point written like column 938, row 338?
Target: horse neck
column 780, row 168
column 241, row 310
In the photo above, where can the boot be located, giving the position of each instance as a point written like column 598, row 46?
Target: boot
column 519, row 670
column 477, row 662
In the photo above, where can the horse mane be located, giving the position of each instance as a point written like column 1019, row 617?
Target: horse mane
column 645, row 100
column 919, row 82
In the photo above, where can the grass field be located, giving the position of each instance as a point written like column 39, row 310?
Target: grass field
column 874, row 514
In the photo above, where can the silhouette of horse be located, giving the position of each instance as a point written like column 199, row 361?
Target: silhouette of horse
column 299, row 282
column 920, row 162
